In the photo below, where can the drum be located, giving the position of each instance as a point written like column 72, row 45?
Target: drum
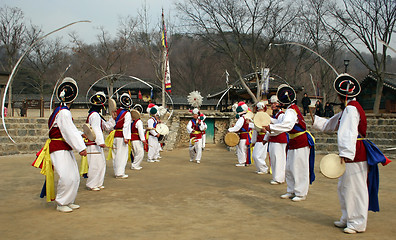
column 231, row 139
column 135, row 114
column 112, row 105
column 261, row 119
column 249, row 115
column 331, row 167
column 162, row 129
column 88, row 131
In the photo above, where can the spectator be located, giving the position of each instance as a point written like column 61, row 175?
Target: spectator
column 319, row 108
column 305, row 102
column 328, row 110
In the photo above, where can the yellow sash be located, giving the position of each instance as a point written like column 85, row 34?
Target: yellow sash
column 294, row 135
column 47, row 169
column 84, row 165
column 129, row 150
column 109, row 143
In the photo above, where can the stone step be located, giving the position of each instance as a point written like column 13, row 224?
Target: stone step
column 24, row 132
column 370, row 121
column 20, row 148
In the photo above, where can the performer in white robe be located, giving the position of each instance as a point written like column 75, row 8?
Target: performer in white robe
column 137, row 140
column 97, row 161
column 242, row 128
column 260, row 145
column 122, row 137
column 298, row 165
column 64, row 137
column 277, row 146
column 153, row 144
column 195, row 127
column 352, row 185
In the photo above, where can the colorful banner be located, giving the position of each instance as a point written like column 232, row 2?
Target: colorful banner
column 168, row 86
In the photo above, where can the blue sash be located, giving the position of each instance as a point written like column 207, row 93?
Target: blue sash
column 311, row 143
column 56, row 111
column 374, row 156
column 119, row 115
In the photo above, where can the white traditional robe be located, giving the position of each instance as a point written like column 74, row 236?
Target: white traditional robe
column 97, row 162
column 241, row 148
column 352, row 185
column 259, row 153
column 120, row 150
column 297, row 160
column 137, row 146
column 64, row 161
column 196, row 148
column 153, row 144
column 277, row 154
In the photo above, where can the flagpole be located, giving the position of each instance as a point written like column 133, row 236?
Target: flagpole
column 163, row 61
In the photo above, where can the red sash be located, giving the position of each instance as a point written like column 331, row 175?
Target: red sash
column 120, row 123
column 196, row 131
column 135, row 131
column 302, row 140
column 281, row 138
column 244, row 131
column 56, row 145
column 360, row 155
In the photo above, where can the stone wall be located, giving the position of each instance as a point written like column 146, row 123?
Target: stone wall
column 222, row 122
column 30, row 134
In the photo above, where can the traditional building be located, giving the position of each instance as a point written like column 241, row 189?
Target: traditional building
column 237, row 92
column 368, row 93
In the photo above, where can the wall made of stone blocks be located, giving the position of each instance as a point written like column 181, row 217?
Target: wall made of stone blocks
column 222, row 122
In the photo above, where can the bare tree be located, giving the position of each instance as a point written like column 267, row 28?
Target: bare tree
column 42, row 60
column 108, row 57
column 364, row 22
column 239, row 29
column 12, row 34
column 11, row 38
column 150, row 40
column 323, row 41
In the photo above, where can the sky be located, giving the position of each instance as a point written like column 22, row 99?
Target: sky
column 52, row 14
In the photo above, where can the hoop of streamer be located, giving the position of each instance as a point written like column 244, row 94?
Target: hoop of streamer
column 303, row 46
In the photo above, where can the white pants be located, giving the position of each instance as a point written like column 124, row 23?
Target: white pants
column 297, row 171
column 138, row 153
column 65, row 165
column 120, row 156
column 97, row 166
column 259, row 156
column 277, row 153
column 196, row 150
column 353, row 195
column 241, row 150
column 153, row 148
column 203, row 140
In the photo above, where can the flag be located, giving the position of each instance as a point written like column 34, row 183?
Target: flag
column 265, row 80
column 168, row 86
column 227, row 75
column 140, row 95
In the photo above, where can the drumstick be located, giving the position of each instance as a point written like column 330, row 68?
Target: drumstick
column 94, row 153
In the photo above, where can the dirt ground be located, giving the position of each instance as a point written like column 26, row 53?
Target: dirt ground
column 176, row 199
